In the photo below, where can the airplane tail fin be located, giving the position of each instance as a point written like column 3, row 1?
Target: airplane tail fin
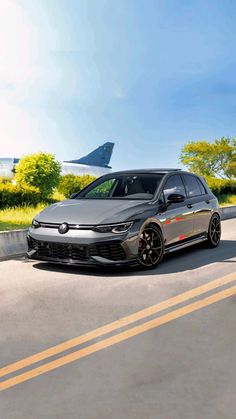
column 101, row 156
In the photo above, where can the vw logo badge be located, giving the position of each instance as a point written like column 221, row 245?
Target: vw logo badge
column 63, row 228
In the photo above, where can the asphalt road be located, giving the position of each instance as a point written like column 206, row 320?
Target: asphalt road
column 173, row 361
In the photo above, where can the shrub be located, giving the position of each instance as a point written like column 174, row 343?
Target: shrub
column 69, row 184
column 222, row 186
column 5, row 180
column 39, row 171
column 13, row 196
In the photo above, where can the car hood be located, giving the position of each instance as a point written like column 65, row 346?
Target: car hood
column 92, row 211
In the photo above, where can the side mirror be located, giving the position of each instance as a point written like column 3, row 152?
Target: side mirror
column 175, row 198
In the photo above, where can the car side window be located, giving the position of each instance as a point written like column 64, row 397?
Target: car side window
column 192, row 186
column 174, row 185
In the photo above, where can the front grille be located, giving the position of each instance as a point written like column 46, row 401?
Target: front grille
column 113, row 251
column 71, row 226
column 57, row 250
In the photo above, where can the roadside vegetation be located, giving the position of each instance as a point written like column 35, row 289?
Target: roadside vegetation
column 215, row 159
column 216, row 162
column 37, row 181
column 36, row 184
column 227, row 200
column 69, row 184
column 17, row 218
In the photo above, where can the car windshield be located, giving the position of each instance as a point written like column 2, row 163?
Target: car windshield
column 130, row 186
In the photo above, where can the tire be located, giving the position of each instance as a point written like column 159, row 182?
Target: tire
column 214, row 231
column 151, row 247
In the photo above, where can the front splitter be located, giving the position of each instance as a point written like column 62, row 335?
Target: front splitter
column 92, row 261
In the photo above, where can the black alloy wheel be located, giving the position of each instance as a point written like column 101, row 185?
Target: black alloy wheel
column 151, row 247
column 214, row 232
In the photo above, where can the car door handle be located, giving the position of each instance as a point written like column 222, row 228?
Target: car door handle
column 189, row 206
column 207, row 201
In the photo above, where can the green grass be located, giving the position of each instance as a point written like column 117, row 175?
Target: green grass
column 227, row 200
column 21, row 217
column 17, row 218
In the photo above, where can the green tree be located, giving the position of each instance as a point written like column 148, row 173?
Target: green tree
column 211, row 159
column 39, row 171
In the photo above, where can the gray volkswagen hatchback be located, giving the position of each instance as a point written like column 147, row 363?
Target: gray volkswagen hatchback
column 131, row 217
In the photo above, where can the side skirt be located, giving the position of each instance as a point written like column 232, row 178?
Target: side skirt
column 179, row 246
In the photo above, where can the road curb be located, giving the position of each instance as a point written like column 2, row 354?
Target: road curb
column 13, row 243
column 228, row 212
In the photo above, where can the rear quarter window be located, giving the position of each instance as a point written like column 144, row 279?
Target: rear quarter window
column 202, row 187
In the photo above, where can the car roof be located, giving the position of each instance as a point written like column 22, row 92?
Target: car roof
column 161, row 170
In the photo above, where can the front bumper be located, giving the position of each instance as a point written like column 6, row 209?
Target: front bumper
column 105, row 253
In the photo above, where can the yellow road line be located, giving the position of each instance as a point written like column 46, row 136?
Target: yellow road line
column 110, row 327
column 105, row 343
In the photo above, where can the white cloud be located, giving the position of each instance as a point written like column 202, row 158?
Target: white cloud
column 27, row 72
column 20, row 44
column 17, row 128
column 119, row 94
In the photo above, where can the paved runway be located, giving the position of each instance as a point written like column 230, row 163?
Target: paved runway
column 174, row 358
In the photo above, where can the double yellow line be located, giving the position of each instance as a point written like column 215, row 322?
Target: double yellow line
column 119, row 337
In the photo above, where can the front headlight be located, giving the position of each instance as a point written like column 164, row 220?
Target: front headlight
column 35, row 224
column 118, row 228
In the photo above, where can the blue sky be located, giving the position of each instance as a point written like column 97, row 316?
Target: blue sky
column 149, row 75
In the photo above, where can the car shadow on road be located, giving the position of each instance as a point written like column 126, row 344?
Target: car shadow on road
column 183, row 260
